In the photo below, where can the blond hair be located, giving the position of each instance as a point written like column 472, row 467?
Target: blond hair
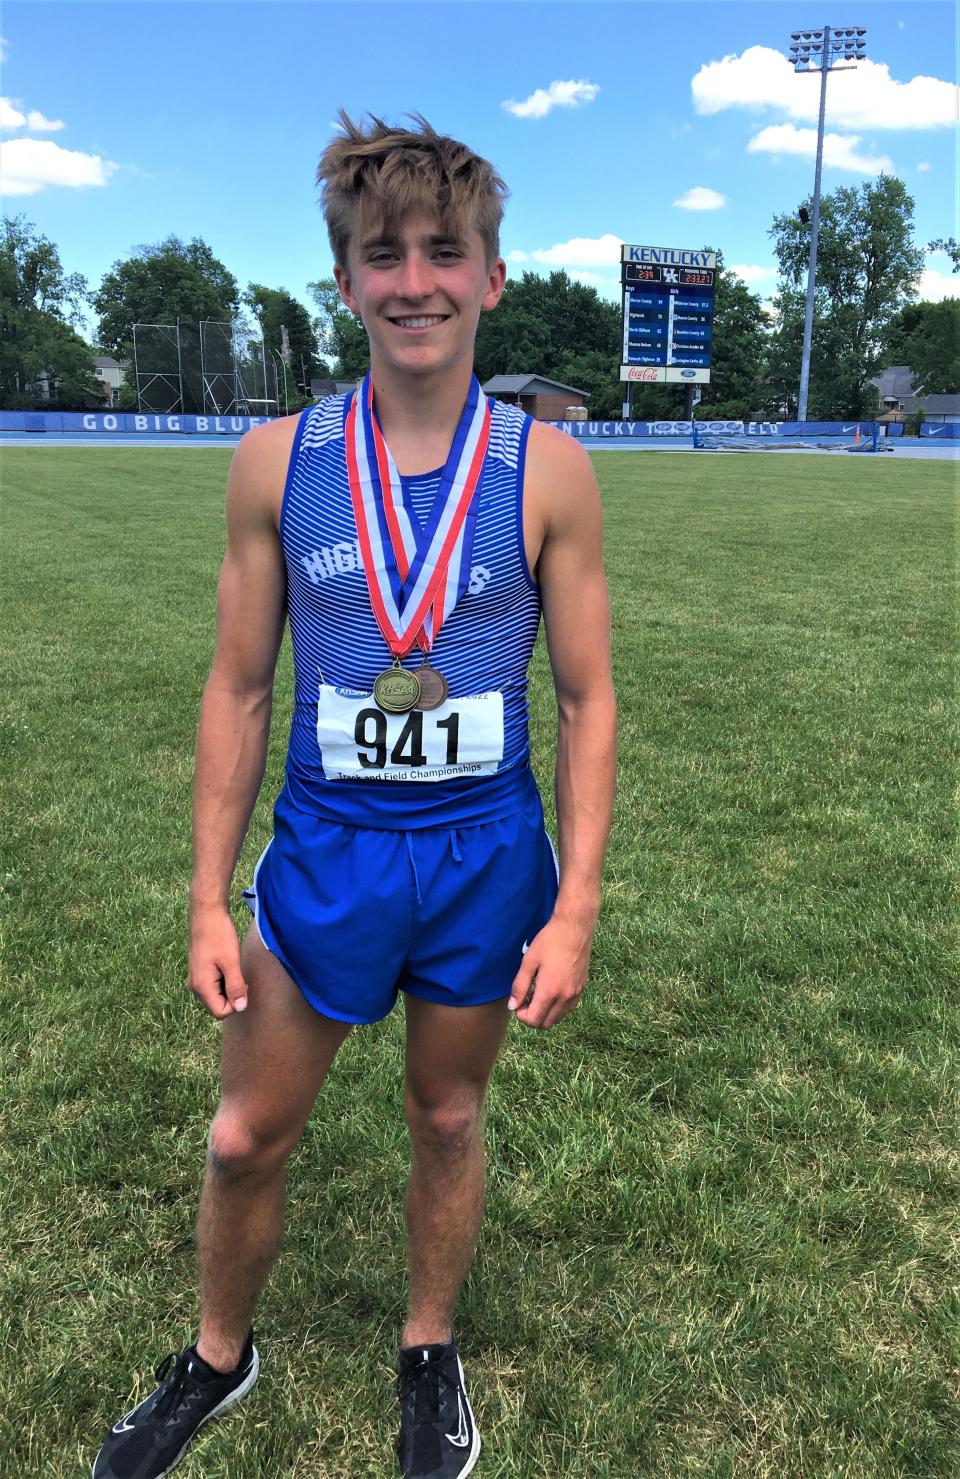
column 375, row 176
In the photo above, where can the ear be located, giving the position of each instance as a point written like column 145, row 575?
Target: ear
column 343, row 283
column 496, row 282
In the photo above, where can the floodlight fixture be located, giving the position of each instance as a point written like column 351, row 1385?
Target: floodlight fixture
column 822, row 51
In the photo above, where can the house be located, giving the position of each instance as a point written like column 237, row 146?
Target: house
column 320, row 387
column 111, row 374
column 942, row 408
column 899, row 398
column 544, row 400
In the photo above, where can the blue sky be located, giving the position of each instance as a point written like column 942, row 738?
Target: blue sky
column 672, row 123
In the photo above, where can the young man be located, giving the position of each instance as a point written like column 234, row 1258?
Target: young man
column 412, row 532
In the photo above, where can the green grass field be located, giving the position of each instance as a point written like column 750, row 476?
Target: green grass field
column 722, row 1235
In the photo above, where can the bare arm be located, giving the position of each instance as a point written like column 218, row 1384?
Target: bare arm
column 235, row 712
column 577, row 619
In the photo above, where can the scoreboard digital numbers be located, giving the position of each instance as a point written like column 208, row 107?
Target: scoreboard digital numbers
column 667, row 314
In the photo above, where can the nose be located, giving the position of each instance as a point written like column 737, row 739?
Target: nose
column 415, row 278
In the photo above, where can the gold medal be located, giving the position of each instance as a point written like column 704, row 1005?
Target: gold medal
column 433, row 686
column 397, row 690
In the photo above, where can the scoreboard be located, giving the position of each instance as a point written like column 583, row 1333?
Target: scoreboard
column 667, row 314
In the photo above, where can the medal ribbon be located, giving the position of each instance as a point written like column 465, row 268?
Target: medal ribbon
column 415, row 576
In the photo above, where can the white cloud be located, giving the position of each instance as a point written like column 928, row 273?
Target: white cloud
column 922, row 169
column 557, row 95
column 30, row 165
column 839, row 150
column 862, row 97
column 934, row 286
column 747, row 272
column 607, row 287
column 581, row 251
column 701, row 198
column 38, row 124
column 10, row 117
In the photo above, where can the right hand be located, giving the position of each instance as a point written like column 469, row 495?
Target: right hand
column 215, row 975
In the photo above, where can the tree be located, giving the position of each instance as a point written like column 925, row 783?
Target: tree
column 738, row 350
column 167, row 283
column 275, row 310
column 949, row 245
column 837, row 389
column 160, row 284
column 926, row 337
column 867, row 265
column 555, row 327
column 590, row 374
column 341, row 336
column 43, row 361
column 657, row 402
column 542, row 323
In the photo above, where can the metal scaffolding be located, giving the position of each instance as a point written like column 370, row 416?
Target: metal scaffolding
column 214, row 367
column 157, row 368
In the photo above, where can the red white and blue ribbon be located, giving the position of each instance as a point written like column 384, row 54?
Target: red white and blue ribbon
column 415, row 574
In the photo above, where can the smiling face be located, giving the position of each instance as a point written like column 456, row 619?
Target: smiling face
column 420, row 293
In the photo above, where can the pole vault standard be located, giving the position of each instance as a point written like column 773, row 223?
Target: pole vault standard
column 820, row 51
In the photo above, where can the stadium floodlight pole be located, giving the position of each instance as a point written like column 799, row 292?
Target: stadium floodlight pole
column 811, row 51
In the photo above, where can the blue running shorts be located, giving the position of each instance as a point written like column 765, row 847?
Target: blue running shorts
column 356, row 914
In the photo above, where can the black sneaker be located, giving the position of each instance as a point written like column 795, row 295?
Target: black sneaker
column 438, row 1436
column 152, row 1438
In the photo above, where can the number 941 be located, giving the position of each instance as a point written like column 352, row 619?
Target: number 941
column 372, row 738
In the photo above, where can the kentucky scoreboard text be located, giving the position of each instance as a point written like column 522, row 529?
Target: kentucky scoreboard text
column 667, row 314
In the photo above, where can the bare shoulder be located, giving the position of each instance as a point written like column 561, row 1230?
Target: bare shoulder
column 560, row 477
column 258, row 471
column 554, row 450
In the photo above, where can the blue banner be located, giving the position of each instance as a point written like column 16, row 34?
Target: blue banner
column 943, row 431
column 136, row 423
column 825, row 428
column 724, row 428
column 142, row 424
column 656, row 428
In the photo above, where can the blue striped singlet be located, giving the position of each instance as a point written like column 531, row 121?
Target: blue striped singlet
column 483, row 647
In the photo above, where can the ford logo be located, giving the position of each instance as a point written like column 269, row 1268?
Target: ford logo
column 687, row 374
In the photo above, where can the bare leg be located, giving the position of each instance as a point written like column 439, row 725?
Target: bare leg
column 275, row 1056
column 450, row 1055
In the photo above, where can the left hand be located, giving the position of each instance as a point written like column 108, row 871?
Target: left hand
column 551, row 978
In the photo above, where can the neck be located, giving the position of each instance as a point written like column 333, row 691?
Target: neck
column 426, row 406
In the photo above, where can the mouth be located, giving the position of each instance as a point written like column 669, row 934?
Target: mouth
column 419, row 321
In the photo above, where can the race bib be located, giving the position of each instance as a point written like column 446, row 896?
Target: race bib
column 359, row 742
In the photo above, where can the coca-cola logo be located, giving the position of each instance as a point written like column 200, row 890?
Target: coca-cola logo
column 637, row 373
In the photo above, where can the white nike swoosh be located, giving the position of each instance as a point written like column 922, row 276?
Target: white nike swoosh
column 462, row 1429
column 122, row 1427
column 525, row 948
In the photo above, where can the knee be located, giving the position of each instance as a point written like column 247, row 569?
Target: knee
column 239, row 1148
column 446, row 1131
